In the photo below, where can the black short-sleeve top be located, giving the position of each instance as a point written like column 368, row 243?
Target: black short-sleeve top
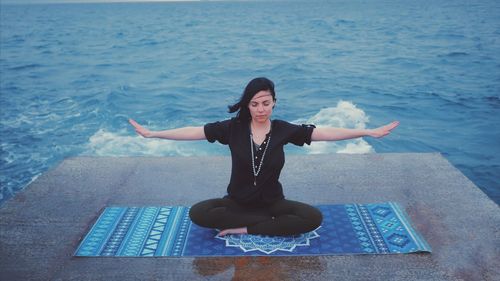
column 236, row 134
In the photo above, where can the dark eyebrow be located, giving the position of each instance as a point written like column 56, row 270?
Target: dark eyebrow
column 267, row 100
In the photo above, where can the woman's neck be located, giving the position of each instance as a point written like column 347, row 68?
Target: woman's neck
column 260, row 126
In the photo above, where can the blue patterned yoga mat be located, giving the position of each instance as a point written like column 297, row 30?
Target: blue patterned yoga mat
column 381, row 228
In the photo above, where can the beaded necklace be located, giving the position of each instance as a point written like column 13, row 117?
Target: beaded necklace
column 255, row 170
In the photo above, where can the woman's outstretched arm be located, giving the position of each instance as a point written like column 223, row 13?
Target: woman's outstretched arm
column 186, row 133
column 335, row 134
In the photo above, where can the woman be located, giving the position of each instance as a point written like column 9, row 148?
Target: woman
column 255, row 203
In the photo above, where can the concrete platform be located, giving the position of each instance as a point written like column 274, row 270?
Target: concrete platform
column 41, row 227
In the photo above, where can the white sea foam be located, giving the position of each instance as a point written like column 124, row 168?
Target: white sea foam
column 344, row 115
column 105, row 143
column 121, row 143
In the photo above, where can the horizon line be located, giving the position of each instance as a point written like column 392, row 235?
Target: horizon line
column 30, row 2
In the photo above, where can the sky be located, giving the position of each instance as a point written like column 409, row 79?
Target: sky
column 83, row 1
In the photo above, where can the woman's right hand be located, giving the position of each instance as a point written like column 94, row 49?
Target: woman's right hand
column 384, row 130
column 141, row 130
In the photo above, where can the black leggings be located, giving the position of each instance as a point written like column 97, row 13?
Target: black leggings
column 284, row 217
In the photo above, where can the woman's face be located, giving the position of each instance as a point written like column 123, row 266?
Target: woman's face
column 261, row 106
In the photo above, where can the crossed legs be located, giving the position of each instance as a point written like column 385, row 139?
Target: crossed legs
column 284, row 217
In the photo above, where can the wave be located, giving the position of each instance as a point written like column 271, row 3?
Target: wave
column 119, row 143
column 105, row 143
column 349, row 23
column 493, row 101
column 25, row 66
column 455, row 54
column 344, row 115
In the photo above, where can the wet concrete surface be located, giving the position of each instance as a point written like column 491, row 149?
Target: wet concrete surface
column 41, row 227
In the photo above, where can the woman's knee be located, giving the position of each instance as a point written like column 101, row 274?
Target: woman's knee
column 198, row 212
column 315, row 218
column 195, row 213
column 206, row 213
column 311, row 215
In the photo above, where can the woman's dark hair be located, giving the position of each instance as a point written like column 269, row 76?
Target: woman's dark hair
column 253, row 87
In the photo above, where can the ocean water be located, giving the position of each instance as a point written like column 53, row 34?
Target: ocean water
column 72, row 74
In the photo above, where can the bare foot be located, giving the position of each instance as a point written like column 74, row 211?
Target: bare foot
column 241, row 230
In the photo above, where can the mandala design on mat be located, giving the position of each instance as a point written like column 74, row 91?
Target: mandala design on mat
column 268, row 244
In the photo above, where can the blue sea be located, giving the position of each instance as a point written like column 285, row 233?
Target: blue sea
column 72, row 74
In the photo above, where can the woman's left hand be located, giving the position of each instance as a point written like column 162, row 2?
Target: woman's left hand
column 384, row 130
column 140, row 129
